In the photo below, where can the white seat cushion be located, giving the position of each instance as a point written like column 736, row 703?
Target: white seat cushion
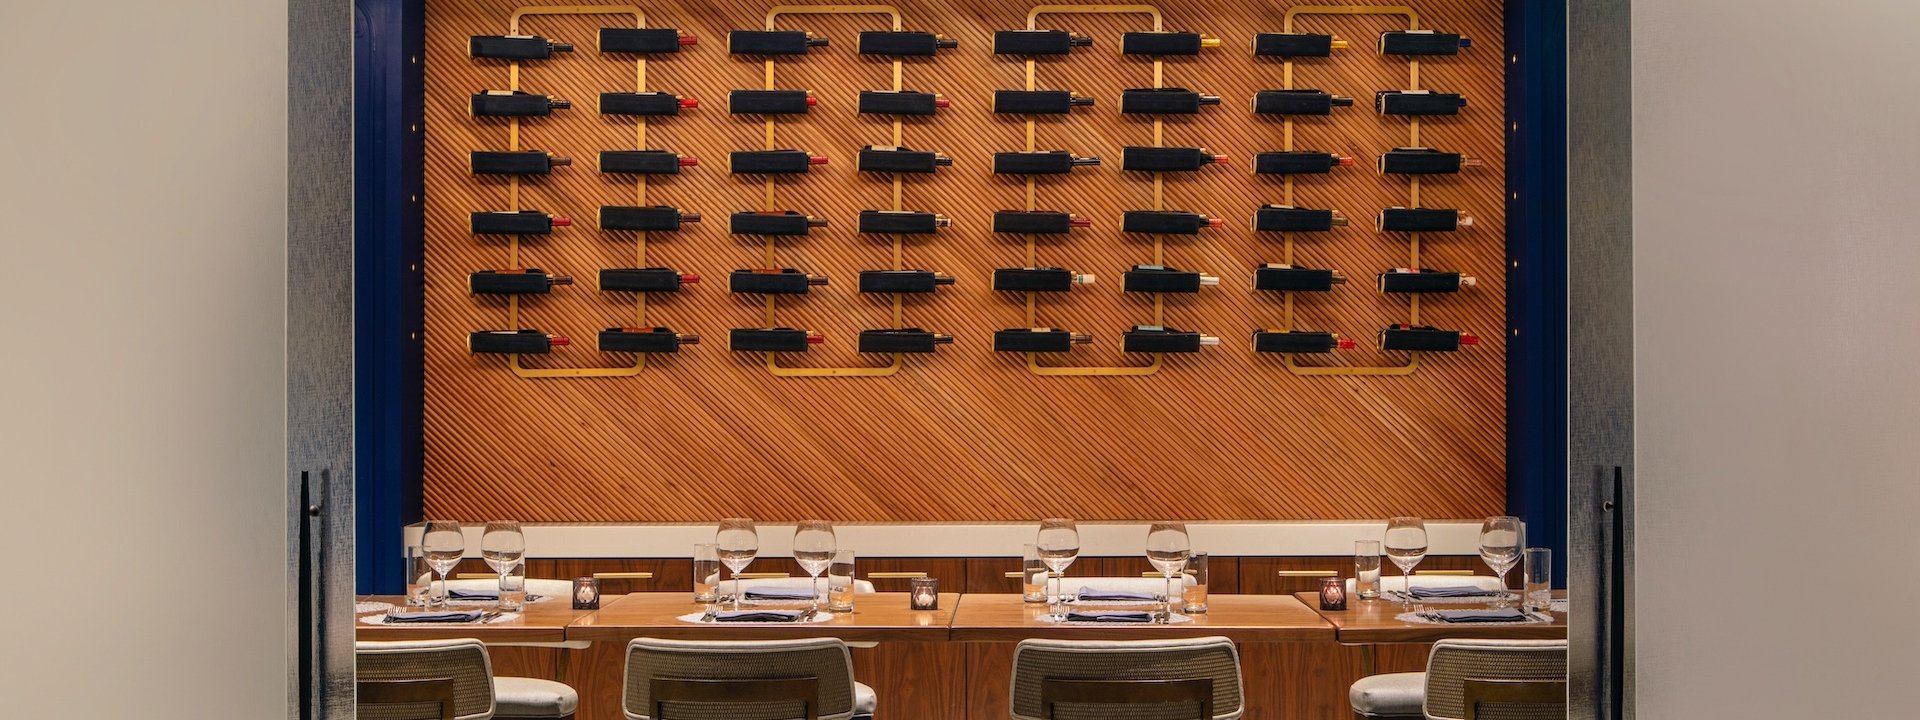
column 523, row 697
column 1393, row 695
column 864, row 700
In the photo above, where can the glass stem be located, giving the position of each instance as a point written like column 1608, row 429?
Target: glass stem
column 1503, row 587
column 737, row 591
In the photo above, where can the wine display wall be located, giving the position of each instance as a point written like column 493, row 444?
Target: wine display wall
column 616, row 253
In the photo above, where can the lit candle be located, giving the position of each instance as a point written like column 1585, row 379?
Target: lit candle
column 925, row 595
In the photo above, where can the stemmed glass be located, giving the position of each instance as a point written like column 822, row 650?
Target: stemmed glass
column 1058, row 543
column 1168, row 549
column 442, row 544
column 1500, row 548
column 737, row 543
column 1406, row 544
column 813, row 546
column 502, row 545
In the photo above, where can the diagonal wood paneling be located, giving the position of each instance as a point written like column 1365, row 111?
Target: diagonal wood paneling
column 966, row 434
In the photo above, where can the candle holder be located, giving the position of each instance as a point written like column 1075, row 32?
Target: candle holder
column 586, row 593
column 1333, row 594
column 925, row 594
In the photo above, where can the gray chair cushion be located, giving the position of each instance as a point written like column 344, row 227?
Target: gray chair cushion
column 522, row 697
column 1393, row 695
column 863, row 700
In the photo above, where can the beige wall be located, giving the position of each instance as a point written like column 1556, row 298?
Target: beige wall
column 1777, row 328
column 142, row 399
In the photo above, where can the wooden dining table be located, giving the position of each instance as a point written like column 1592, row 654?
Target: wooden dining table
column 545, row 622
column 1367, row 623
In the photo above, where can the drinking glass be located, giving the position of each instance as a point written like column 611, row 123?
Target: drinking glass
column 1537, row 578
column 840, row 582
column 419, row 576
column 736, row 542
column 513, row 588
column 1193, row 598
column 813, row 549
column 443, row 544
column 502, row 545
column 1058, row 543
column 1366, row 568
column 1033, row 575
column 1406, row 544
column 706, row 573
column 1168, row 548
column 1500, row 548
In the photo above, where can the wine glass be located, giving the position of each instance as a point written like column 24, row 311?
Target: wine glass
column 738, row 543
column 443, row 543
column 1406, row 544
column 1168, row 549
column 502, row 545
column 1500, row 548
column 1059, row 544
column 813, row 546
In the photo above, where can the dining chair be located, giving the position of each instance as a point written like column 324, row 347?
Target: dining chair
column 805, row 679
column 1512, row 674
column 1197, row 678
column 466, row 663
column 398, row 670
column 421, row 699
column 1398, row 583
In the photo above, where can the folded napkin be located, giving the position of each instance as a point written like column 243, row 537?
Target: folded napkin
column 459, row 594
column 757, row 616
column 779, row 593
column 1089, row 593
column 449, row 616
column 1111, row 616
column 1459, row 591
column 1479, row 616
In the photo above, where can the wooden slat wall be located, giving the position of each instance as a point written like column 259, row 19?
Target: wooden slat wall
column 967, row 434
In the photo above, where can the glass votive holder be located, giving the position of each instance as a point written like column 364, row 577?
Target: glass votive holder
column 1333, row 594
column 586, row 593
column 1033, row 576
column 513, row 588
column 840, row 581
column 1366, row 568
column 706, row 573
column 924, row 594
column 1193, row 593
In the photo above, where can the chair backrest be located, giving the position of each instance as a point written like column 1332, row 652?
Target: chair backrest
column 463, row 662
column 1213, row 659
column 1395, row 582
column 428, row 699
column 1453, row 662
column 1501, row 699
column 1071, row 585
column 860, row 587
column 825, row 661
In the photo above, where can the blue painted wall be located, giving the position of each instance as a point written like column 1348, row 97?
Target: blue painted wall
column 389, row 305
column 1537, row 273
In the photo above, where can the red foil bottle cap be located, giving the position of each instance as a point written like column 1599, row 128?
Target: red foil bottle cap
column 689, row 102
column 1219, row 159
column 814, row 338
column 558, row 341
column 1214, row 222
column 1345, row 344
column 689, row 161
column 1080, row 222
column 1343, row 160
column 816, row 159
column 812, row 101
column 1469, row 339
column 689, row 40
column 687, row 278
column 560, row 221
column 941, row 102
